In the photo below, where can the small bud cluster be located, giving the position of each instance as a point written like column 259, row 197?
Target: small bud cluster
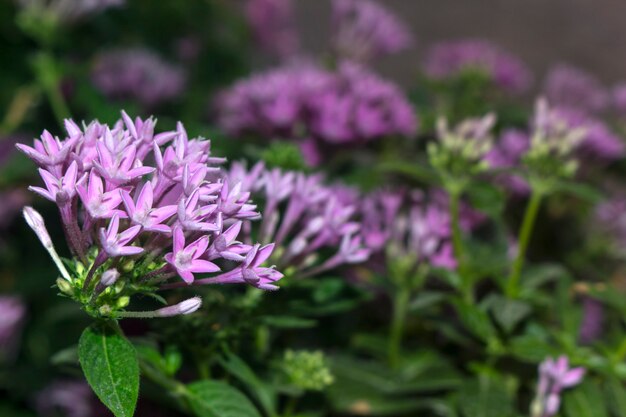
column 459, row 154
column 307, row 370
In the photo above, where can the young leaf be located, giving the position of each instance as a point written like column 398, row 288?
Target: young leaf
column 110, row 364
column 217, row 399
column 585, row 400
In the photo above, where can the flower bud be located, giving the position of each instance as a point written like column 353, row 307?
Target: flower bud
column 123, row 302
column 35, row 221
column 185, row 307
column 64, row 286
column 109, row 277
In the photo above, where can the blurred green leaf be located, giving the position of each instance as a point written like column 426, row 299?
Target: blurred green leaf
column 508, row 313
column 485, row 397
column 218, row 399
column 585, row 400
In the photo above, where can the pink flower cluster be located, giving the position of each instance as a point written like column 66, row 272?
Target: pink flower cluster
column 304, row 101
column 137, row 74
column 364, row 29
column 416, row 226
column 304, row 218
column 273, row 26
column 449, row 59
column 151, row 198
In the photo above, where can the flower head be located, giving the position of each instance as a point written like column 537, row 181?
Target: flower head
column 364, row 29
column 554, row 377
column 137, row 74
column 134, row 224
column 273, row 25
column 449, row 59
column 570, row 87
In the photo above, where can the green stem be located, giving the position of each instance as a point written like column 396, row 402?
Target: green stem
column 512, row 286
column 48, row 79
column 400, row 306
column 457, row 245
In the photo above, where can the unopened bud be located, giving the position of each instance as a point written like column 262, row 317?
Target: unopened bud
column 185, row 307
column 35, row 221
column 109, row 277
column 128, row 266
column 123, row 302
column 64, row 286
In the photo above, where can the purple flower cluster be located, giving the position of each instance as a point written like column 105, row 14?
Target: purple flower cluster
column 417, row 227
column 177, row 214
column 598, row 142
column 273, row 25
column 71, row 398
column 304, row 217
column 610, row 219
column 12, row 313
column 554, row 377
column 449, row 59
column 68, row 10
column 506, row 154
column 137, row 74
column 570, row 87
column 352, row 105
column 364, row 29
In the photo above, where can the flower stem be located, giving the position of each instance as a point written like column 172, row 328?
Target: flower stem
column 457, row 244
column 400, row 306
column 512, row 286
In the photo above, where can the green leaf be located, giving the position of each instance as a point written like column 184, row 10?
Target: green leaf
column 475, row 320
column 616, row 396
column 485, row 397
column 110, row 364
column 260, row 389
column 217, row 399
column 508, row 313
column 585, row 400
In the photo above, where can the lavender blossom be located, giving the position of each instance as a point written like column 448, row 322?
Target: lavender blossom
column 273, row 25
column 554, row 377
column 71, row 398
column 592, row 323
column 137, row 74
column 415, row 227
column 619, row 99
column 133, row 226
column 352, row 105
column 67, row 11
column 570, row 87
column 506, row 155
column 12, row 314
column 364, row 29
column 303, row 216
column 449, row 59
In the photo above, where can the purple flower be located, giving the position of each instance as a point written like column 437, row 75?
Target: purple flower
column 302, row 216
column 166, row 182
column 591, row 326
column 570, row 87
column 12, row 314
column 98, row 203
column 187, row 259
column 507, row 155
column 144, row 214
column 363, row 30
column 137, row 74
column 273, row 25
column 554, row 377
column 350, row 106
column 609, row 219
column 72, row 398
column 619, row 99
column 449, row 59
column 116, row 244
